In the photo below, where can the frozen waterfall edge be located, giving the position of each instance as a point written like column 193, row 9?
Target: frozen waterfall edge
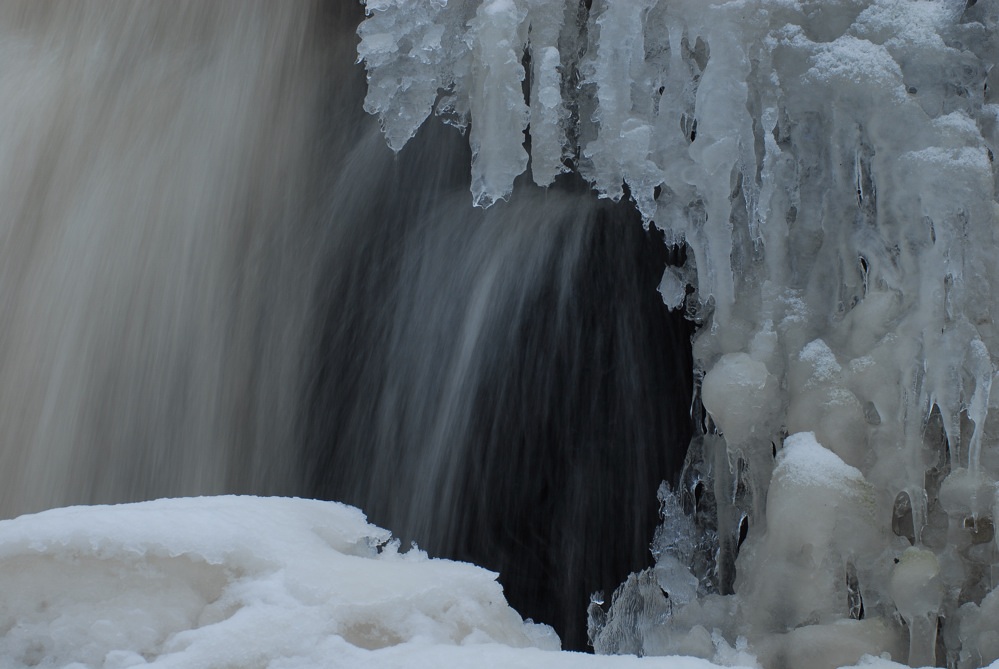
column 830, row 167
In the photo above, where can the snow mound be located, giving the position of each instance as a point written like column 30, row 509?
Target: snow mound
column 250, row 582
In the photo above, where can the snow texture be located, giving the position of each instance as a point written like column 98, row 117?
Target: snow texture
column 256, row 582
column 829, row 167
column 251, row 582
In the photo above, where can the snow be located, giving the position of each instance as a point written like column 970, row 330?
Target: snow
column 251, row 582
column 258, row 582
column 804, row 461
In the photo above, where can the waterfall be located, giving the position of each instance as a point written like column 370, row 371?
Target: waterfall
column 155, row 234
column 501, row 386
column 216, row 278
column 714, row 279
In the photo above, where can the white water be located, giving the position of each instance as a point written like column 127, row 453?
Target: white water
column 830, row 167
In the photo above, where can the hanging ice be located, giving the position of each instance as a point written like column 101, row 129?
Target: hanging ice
column 829, row 166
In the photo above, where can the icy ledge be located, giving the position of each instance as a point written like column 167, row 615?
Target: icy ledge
column 255, row 582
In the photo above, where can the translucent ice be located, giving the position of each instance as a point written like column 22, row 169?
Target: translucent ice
column 736, row 392
column 496, row 37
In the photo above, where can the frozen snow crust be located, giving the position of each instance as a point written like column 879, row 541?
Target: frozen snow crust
column 240, row 582
column 236, row 582
column 829, row 166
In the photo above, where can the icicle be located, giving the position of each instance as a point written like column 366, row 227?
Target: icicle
column 548, row 112
column 496, row 37
column 621, row 152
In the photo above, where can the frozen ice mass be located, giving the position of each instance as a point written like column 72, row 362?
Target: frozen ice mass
column 829, row 168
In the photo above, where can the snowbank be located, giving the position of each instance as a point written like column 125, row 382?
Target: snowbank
column 250, row 582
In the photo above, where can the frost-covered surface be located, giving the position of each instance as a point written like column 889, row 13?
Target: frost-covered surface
column 257, row 582
column 829, row 166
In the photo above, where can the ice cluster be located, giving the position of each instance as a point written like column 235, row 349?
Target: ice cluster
column 829, row 166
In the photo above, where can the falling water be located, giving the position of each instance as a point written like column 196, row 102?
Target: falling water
column 504, row 387
column 156, row 161
column 215, row 277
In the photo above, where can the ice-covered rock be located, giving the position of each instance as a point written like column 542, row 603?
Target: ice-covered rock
column 916, row 589
column 820, row 518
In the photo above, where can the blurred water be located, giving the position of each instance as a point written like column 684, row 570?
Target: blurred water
column 215, row 277
column 156, row 178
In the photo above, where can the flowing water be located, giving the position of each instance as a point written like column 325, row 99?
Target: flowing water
column 215, row 277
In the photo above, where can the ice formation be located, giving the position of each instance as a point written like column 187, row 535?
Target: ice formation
column 829, row 167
